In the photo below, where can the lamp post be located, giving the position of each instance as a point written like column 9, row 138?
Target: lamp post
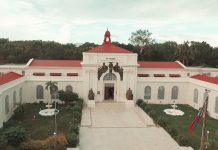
column 204, row 135
column 55, row 112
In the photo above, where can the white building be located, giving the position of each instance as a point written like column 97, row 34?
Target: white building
column 110, row 71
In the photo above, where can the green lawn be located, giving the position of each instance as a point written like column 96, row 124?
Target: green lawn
column 181, row 123
column 40, row 127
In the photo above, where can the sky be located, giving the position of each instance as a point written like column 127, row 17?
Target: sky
column 79, row 21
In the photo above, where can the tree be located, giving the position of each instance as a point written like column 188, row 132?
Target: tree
column 15, row 135
column 141, row 38
column 52, row 87
column 184, row 53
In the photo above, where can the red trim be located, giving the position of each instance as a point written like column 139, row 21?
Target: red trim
column 159, row 75
column 174, row 75
column 156, row 64
column 55, row 74
column 39, row 74
column 206, row 78
column 72, row 74
column 143, row 75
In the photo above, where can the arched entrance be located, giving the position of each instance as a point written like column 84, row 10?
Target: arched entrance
column 110, row 86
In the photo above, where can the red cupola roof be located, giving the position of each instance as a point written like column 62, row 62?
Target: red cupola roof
column 107, row 46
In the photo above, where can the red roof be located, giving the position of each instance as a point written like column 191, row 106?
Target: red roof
column 108, row 47
column 206, row 78
column 156, row 64
column 56, row 63
column 8, row 77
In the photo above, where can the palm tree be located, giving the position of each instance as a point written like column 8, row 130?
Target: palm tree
column 52, row 87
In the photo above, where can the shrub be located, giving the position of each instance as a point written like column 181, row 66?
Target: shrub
column 161, row 121
column 19, row 112
column 153, row 115
column 75, row 121
column 77, row 108
column 72, row 139
column 183, row 140
column 57, row 142
column 143, row 105
column 77, row 115
column 14, row 136
column 147, row 109
column 172, row 131
column 74, row 128
column 139, row 101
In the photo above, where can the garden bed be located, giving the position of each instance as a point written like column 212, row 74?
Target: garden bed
column 177, row 126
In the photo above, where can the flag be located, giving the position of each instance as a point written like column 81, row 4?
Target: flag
column 197, row 119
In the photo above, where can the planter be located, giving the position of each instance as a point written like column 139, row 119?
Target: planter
column 91, row 103
column 129, row 103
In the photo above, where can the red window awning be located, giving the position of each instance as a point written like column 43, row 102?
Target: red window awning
column 159, row 75
column 39, row 74
column 174, row 75
column 143, row 75
column 55, row 74
column 72, row 74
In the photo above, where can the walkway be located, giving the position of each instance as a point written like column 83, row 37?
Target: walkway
column 112, row 126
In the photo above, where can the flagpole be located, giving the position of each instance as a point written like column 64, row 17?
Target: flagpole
column 203, row 133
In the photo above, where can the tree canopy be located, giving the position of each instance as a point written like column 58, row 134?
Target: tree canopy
column 191, row 53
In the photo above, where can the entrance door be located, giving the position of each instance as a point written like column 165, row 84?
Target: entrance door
column 109, row 92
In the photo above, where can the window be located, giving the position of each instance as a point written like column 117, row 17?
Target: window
column 39, row 92
column 175, row 92
column 147, row 92
column 6, row 104
column 69, row 88
column 216, row 105
column 14, row 98
column 110, row 76
column 195, row 96
column 20, row 95
column 161, row 91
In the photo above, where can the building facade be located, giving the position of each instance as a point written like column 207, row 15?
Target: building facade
column 110, row 71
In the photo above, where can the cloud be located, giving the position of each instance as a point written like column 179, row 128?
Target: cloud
column 86, row 20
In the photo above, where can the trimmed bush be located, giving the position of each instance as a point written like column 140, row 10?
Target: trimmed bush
column 139, row 101
column 72, row 139
column 14, row 136
column 77, row 108
column 153, row 115
column 172, row 131
column 161, row 121
column 75, row 121
column 183, row 140
column 77, row 115
column 147, row 109
column 143, row 105
column 18, row 112
column 74, row 128
column 80, row 102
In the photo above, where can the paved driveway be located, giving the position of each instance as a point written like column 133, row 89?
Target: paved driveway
column 112, row 126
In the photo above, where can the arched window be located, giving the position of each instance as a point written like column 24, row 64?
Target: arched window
column 69, row 88
column 216, row 105
column 14, row 98
column 195, row 96
column 161, row 91
column 147, row 92
column 20, row 95
column 39, row 92
column 175, row 92
column 110, row 76
column 7, row 105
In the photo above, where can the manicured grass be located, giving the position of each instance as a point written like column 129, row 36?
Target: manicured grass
column 39, row 127
column 180, row 123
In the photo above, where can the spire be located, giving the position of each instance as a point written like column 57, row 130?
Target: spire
column 107, row 37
